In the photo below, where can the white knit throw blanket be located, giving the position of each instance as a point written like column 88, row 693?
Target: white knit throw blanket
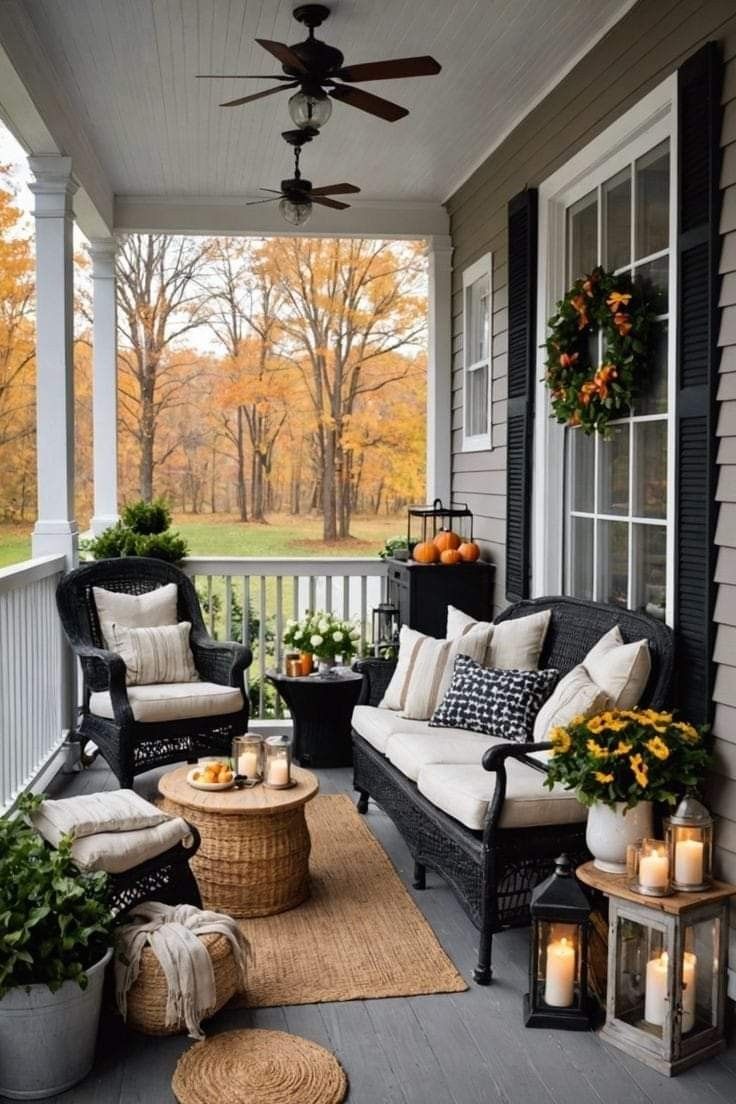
column 172, row 934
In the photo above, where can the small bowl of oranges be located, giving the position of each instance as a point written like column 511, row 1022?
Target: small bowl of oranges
column 212, row 774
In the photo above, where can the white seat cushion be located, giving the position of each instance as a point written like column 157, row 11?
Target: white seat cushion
column 173, row 701
column 116, row 852
column 410, row 751
column 377, row 725
column 465, row 792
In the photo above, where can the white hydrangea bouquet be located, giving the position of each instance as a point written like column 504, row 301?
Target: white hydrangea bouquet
column 324, row 636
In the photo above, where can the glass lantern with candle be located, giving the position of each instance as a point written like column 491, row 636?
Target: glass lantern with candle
column 648, row 868
column 248, row 758
column 690, row 843
column 278, row 763
column 560, row 913
column 386, row 626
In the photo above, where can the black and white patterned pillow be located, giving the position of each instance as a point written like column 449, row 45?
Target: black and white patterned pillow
column 497, row 702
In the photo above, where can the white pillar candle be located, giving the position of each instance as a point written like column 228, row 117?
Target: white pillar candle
column 559, row 988
column 689, row 862
column 248, row 763
column 689, row 963
column 654, row 869
column 278, row 772
column 655, row 1000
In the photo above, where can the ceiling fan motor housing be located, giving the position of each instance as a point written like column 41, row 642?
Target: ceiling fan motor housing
column 296, row 189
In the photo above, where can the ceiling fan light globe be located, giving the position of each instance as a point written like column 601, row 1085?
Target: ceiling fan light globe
column 309, row 110
column 296, row 214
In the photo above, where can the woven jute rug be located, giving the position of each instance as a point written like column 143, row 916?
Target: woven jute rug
column 258, row 1067
column 359, row 935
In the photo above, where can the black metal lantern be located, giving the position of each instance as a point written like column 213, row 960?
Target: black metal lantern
column 425, row 522
column 558, row 976
column 386, row 627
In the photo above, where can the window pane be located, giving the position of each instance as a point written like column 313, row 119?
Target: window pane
column 476, row 401
column 650, row 569
column 653, row 201
column 654, row 279
column 478, row 320
column 617, row 219
column 583, row 236
column 650, row 469
column 580, row 558
column 613, row 469
column 613, row 562
column 653, row 397
column 581, row 471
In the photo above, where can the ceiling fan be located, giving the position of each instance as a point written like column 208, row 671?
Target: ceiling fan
column 316, row 69
column 297, row 194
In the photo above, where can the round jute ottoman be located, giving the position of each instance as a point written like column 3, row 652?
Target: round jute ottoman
column 148, row 994
column 258, row 1067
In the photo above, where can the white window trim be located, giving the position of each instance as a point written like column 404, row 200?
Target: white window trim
column 652, row 120
column 478, row 442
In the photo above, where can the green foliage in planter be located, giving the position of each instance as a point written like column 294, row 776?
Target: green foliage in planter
column 162, row 546
column 147, row 517
column 55, row 922
column 394, row 546
column 116, row 541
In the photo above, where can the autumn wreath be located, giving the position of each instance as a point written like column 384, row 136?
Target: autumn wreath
column 585, row 393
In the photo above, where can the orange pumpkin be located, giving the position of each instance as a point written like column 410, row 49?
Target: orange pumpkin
column 469, row 551
column 446, row 539
column 426, row 552
column 450, row 556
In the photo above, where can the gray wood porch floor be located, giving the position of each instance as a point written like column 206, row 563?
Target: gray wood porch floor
column 467, row 1048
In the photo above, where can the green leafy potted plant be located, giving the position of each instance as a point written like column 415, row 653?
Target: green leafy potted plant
column 619, row 763
column 143, row 530
column 322, row 635
column 55, row 943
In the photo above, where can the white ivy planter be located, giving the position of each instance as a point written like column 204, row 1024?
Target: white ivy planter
column 47, row 1040
column 611, row 829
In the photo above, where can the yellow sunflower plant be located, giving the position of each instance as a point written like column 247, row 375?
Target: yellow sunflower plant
column 627, row 756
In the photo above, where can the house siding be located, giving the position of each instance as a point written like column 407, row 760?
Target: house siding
column 643, row 49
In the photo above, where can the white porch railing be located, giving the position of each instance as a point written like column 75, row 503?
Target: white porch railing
column 250, row 600
column 33, row 674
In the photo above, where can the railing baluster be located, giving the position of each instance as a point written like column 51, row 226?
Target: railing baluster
column 210, row 611
column 228, row 607
column 328, row 593
column 346, row 597
column 312, row 593
column 262, row 648
column 363, row 614
column 279, row 635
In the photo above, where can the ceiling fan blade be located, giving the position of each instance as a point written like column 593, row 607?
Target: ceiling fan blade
column 325, row 202
column 276, row 191
column 259, row 95
column 242, row 76
column 390, row 70
column 335, row 189
column 255, row 202
column 283, row 53
column 366, row 101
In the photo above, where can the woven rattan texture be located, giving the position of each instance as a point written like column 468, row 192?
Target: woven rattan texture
column 254, row 854
column 258, row 1067
column 148, row 995
column 359, row 935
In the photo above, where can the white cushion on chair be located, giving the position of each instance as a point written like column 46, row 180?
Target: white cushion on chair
column 173, row 701
column 465, row 793
column 377, row 725
column 136, row 611
column 116, row 852
column 410, row 751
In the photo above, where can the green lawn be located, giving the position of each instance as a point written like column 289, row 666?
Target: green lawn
column 222, row 535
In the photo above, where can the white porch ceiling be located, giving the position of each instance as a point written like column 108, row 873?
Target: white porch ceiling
column 125, row 71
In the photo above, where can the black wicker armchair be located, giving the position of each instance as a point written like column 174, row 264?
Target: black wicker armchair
column 131, row 746
column 493, row 871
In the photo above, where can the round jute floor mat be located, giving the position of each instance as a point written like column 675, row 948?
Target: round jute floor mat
column 254, row 1066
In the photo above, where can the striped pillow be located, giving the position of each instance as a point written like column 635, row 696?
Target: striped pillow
column 424, row 669
column 153, row 656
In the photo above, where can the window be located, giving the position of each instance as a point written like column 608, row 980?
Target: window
column 604, row 508
column 477, row 355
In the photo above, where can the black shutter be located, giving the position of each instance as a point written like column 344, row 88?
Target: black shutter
column 699, row 126
column 522, row 291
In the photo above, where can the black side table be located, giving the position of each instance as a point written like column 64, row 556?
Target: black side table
column 321, row 707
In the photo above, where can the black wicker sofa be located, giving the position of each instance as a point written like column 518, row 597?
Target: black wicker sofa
column 493, row 871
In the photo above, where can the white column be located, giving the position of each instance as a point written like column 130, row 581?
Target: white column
column 105, row 384
column 439, row 369
column 55, row 530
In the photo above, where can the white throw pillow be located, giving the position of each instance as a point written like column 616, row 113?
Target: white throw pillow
column 136, row 611
column 513, row 645
column 574, row 694
column 622, row 670
column 79, row 817
column 424, row 669
column 153, row 656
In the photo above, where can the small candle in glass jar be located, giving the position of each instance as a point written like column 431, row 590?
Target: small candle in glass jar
column 248, row 763
column 278, row 772
column 654, row 869
column 689, row 862
column 294, row 668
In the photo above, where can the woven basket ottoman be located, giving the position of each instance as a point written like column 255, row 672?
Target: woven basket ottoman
column 148, row 994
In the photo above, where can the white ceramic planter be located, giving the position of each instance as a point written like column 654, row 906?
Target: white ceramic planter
column 47, row 1040
column 610, row 830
